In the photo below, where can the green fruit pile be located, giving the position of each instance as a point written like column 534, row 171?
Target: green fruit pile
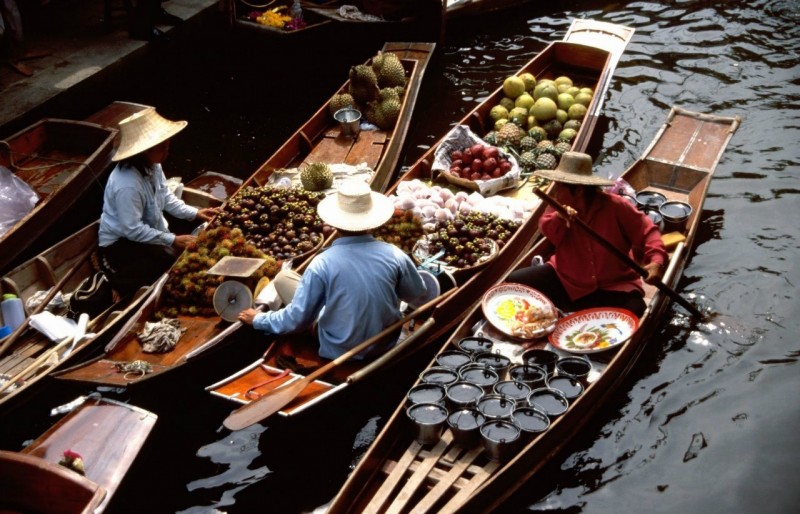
column 189, row 290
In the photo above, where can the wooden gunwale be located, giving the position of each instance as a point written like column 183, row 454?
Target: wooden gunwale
column 557, row 58
column 683, row 131
column 58, row 159
column 319, row 139
column 108, row 435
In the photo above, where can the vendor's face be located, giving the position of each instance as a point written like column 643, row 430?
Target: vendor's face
column 158, row 153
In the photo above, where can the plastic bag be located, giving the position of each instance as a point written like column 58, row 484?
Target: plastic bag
column 461, row 137
column 17, row 199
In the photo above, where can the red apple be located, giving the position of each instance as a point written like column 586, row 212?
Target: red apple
column 497, row 173
column 455, row 170
column 505, row 166
column 467, row 157
column 477, row 149
column 475, row 176
column 477, row 165
column 490, row 163
column 491, row 151
column 485, row 176
column 457, row 162
column 456, row 155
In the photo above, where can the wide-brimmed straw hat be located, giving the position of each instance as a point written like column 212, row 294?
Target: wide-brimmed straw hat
column 574, row 168
column 142, row 131
column 355, row 207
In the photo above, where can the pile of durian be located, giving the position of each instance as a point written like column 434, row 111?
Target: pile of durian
column 375, row 89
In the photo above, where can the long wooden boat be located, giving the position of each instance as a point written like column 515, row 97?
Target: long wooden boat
column 31, row 356
column 106, row 434
column 462, row 8
column 320, row 139
column 57, row 159
column 591, row 65
column 397, row 474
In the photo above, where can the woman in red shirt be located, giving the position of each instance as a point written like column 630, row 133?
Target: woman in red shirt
column 581, row 274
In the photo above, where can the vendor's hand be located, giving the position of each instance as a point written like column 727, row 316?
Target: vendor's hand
column 654, row 272
column 247, row 316
column 571, row 213
column 207, row 214
column 182, row 241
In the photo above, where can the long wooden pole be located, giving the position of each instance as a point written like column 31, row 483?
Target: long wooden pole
column 620, row 255
column 275, row 400
column 55, row 289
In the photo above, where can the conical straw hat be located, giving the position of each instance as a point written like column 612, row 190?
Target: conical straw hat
column 355, row 207
column 144, row 130
column 574, row 168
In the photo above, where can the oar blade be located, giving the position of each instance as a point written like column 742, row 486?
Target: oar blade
column 265, row 406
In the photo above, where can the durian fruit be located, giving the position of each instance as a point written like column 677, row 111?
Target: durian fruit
column 386, row 113
column 387, row 93
column 377, row 61
column 390, row 71
column 363, row 84
column 340, row 101
column 316, row 176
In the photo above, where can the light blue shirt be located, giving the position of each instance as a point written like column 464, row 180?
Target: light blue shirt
column 134, row 204
column 353, row 290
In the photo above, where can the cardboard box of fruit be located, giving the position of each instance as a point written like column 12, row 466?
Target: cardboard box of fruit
column 463, row 158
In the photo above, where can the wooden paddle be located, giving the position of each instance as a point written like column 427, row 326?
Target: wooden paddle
column 53, row 290
column 273, row 401
column 620, row 254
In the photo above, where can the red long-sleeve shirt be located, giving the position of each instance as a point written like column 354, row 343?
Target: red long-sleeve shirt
column 583, row 265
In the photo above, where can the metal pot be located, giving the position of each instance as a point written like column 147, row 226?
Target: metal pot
column 501, row 439
column 428, row 420
column 466, row 426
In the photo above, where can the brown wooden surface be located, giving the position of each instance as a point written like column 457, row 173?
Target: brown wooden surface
column 318, row 139
column 107, row 435
column 30, row 485
column 492, row 483
column 58, row 158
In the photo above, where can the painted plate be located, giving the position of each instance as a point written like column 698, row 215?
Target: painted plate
column 594, row 330
column 507, row 306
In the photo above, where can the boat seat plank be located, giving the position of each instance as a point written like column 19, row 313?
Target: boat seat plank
column 46, row 269
column 419, row 476
column 445, row 482
column 375, row 505
column 334, row 148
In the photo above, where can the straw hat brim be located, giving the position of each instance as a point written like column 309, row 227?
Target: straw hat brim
column 143, row 131
column 380, row 211
column 573, row 178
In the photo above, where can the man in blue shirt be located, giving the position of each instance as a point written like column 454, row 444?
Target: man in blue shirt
column 136, row 245
column 351, row 290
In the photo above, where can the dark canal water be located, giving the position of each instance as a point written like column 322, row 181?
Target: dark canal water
column 706, row 421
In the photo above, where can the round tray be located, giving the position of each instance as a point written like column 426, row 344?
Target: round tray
column 504, row 301
column 601, row 329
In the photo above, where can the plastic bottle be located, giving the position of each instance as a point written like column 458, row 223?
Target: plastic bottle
column 13, row 311
column 296, row 11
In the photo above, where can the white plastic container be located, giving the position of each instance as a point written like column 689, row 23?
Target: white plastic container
column 13, row 311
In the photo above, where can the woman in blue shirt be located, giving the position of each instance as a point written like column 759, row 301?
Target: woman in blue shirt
column 136, row 245
column 352, row 289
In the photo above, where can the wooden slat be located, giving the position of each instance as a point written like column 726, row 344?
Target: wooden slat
column 480, row 476
column 379, row 498
column 419, row 476
column 444, row 483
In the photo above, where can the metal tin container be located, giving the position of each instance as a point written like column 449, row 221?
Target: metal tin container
column 501, row 439
column 466, row 426
column 540, row 357
column 475, row 344
column 496, row 406
column 551, row 402
column 531, row 422
column 675, row 215
column 570, row 386
column 429, row 420
column 438, row 375
column 461, row 394
column 425, row 393
column 649, row 200
column 453, row 359
column 497, row 361
column 576, row 367
column 517, row 391
column 533, row 376
column 480, row 375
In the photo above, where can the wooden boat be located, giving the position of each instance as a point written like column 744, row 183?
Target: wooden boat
column 29, row 356
column 563, row 57
column 58, row 159
column 329, row 17
column 461, row 8
column 320, row 139
column 397, row 474
column 108, row 436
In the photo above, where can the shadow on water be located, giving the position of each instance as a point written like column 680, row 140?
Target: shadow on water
column 703, row 423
